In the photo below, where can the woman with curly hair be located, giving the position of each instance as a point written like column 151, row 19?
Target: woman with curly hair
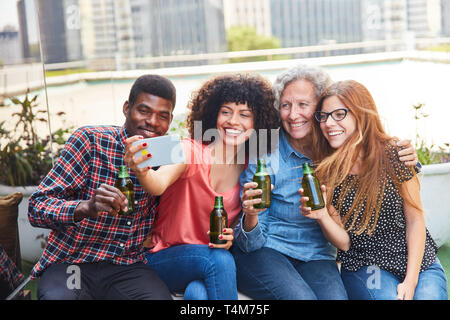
column 225, row 112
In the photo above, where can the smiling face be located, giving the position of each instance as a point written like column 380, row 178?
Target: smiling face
column 337, row 132
column 297, row 105
column 235, row 123
column 149, row 117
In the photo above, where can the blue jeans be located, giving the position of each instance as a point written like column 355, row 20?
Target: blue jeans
column 373, row 283
column 270, row 275
column 200, row 272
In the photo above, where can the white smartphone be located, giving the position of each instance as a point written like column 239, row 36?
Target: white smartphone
column 164, row 150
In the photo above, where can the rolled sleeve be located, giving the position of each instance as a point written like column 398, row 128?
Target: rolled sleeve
column 52, row 214
column 53, row 204
column 251, row 240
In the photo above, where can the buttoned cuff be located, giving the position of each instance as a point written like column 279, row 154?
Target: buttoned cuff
column 67, row 213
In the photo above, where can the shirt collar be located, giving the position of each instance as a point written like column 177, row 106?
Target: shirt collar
column 123, row 135
column 286, row 150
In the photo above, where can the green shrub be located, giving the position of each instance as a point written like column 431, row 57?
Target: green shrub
column 26, row 157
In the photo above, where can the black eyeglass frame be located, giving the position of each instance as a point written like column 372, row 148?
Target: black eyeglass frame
column 317, row 114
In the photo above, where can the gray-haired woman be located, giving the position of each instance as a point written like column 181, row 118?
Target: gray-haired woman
column 279, row 253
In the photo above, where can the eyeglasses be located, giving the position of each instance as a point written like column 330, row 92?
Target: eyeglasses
column 337, row 115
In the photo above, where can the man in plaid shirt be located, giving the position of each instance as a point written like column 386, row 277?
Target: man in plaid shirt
column 10, row 276
column 93, row 253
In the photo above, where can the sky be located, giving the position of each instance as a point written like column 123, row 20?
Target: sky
column 8, row 16
column 8, row 13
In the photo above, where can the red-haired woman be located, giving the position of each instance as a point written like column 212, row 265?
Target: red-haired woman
column 374, row 214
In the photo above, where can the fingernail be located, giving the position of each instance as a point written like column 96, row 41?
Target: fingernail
column 224, row 230
column 144, row 144
column 221, row 236
column 149, row 168
column 149, row 155
column 211, row 246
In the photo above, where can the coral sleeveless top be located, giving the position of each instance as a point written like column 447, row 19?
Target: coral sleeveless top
column 184, row 209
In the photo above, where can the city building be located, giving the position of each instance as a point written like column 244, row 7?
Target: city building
column 121, row 34
column 315, row 22
column 385, row 20
column 250, row 13
column 23, row 27
column 445, row 18
column 28, row 30
column 107, row 33
column 59, row 25
column 424, row 17
column 10, row 47
column 178, row 27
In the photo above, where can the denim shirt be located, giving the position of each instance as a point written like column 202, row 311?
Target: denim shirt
column 282, row 227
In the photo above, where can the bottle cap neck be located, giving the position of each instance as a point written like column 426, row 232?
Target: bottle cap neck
column 218, row 203
column 307, row 169
column 261, row 167
column 123, row 172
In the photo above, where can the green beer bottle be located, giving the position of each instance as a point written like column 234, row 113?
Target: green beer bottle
column 262, row 178
column 311, row 188
column 125, row 185
column 218, row 221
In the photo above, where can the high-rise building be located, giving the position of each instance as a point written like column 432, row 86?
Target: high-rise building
column 142, row 33
column 314, row 22
column 10, row 47
column 384, row 20
column 107, row 33
column 251, row 13
column 174, row 27
column 29, row 28
column 59, row 30
column 52, row 30
column 445, row 18
column 23, row 27
column 424, row 17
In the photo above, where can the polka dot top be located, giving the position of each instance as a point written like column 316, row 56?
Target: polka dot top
column 386, row 246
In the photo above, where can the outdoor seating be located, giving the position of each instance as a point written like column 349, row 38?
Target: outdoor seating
column 10, row 258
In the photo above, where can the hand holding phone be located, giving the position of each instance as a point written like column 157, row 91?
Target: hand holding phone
column 164, row 150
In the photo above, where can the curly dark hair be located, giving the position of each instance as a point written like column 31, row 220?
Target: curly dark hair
column 252, row 89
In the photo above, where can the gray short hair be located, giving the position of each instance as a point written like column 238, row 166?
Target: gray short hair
column 317, row 76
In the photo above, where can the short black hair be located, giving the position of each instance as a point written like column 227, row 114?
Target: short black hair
column 155, row 85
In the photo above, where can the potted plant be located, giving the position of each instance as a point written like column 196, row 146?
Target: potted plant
column 435, row 182
column 25, row 158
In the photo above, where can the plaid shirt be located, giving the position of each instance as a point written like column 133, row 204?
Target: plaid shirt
column 8, row 271
column 91, row 156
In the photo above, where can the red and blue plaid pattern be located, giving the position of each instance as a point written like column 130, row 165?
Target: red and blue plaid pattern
column 8, row 271
column 92, row 156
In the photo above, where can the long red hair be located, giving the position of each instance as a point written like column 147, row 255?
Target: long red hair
column 369, row 141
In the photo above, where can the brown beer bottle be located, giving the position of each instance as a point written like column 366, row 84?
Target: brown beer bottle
column 262, row 178
column 311, row 189
column 125, row 185
column 218, row 221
